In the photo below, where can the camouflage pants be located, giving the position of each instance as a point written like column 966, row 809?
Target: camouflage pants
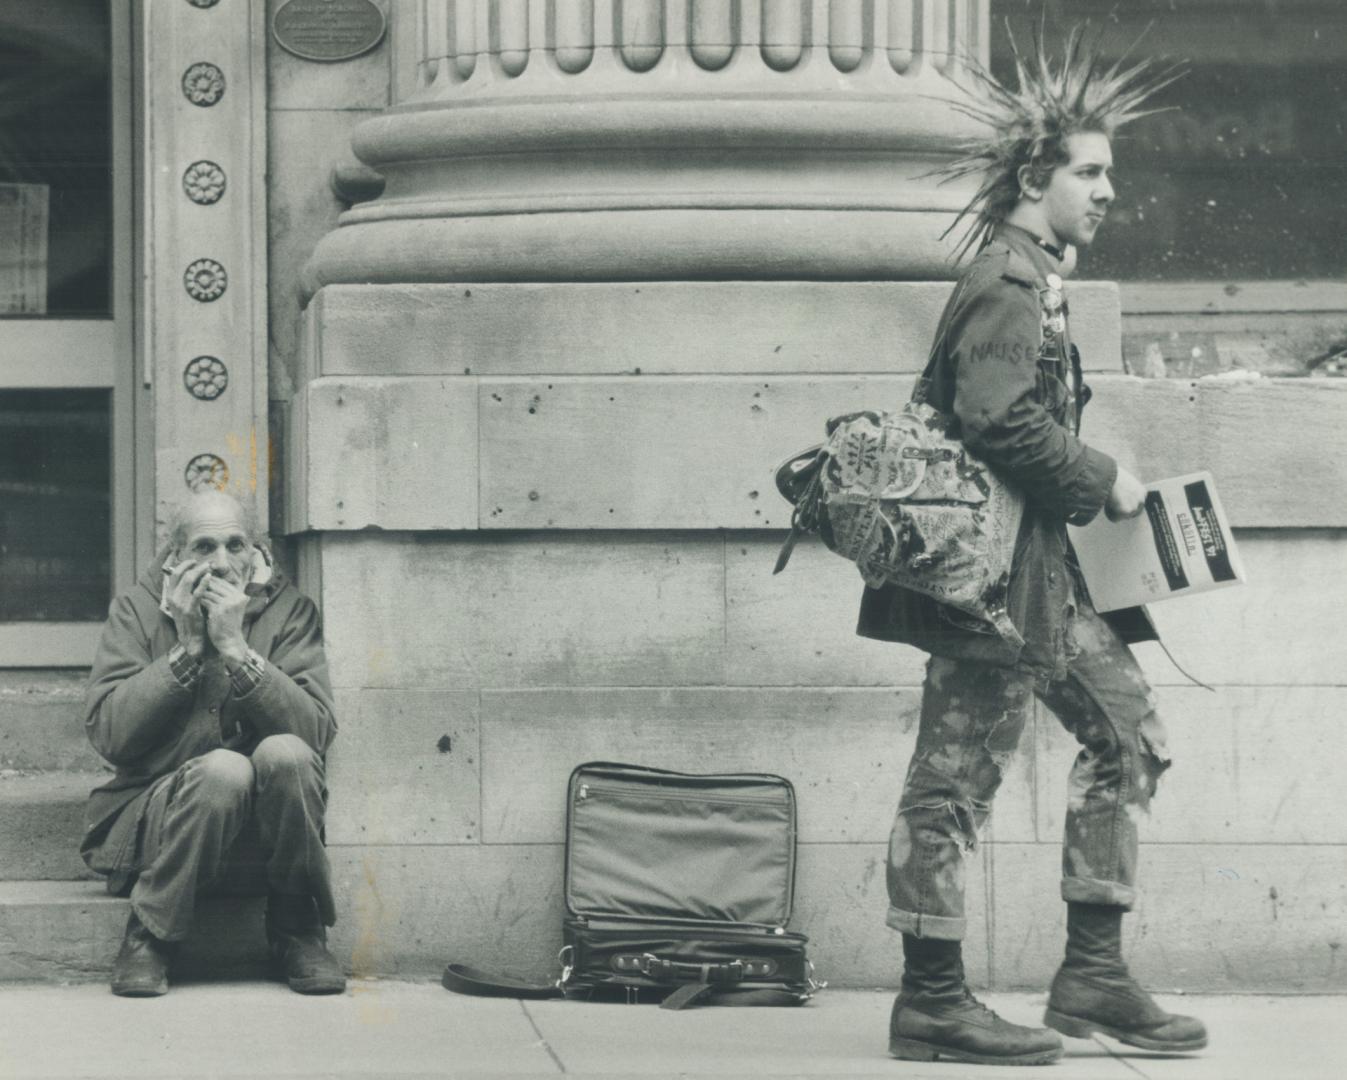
column 972, row 715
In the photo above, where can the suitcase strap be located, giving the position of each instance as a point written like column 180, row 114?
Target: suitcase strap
column 692, row 993
column 664, row 970
column 465, row 979
column 700, row 981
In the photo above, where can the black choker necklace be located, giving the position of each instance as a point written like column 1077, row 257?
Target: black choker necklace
column 1056, row 252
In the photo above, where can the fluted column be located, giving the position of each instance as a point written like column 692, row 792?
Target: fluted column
column 645, row 139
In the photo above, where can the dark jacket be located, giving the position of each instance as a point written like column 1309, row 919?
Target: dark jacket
column 1003, row 370
column 146, row 725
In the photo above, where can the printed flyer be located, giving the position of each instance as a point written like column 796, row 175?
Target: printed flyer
column 1180, row 544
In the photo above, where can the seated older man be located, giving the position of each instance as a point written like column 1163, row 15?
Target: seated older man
column 209, row 694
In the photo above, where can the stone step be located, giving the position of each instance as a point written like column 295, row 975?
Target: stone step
column 41, row 821
column 64, row 931
column 42, row 722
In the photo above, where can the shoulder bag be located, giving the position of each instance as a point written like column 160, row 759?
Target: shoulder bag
column 894, row 493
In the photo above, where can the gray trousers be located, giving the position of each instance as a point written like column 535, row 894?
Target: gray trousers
column 196, row 815
column 972, row 716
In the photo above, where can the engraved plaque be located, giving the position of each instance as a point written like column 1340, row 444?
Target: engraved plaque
column 328, row 30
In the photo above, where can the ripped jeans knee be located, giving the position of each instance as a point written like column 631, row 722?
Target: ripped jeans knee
column 966, row 742
column 936, row 825
column 1107, row 704
column 972, row 718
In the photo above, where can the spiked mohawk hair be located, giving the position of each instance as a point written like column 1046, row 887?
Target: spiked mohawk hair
column 1029, row 126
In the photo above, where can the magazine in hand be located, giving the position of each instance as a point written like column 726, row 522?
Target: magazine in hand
column 1180, row 544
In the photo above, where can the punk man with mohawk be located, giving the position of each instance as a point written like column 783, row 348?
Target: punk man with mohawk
column 1005, row 370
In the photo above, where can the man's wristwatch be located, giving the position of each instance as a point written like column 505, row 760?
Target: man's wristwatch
column 248, row 674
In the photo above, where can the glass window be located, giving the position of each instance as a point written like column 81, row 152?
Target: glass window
column 55, row 159
column 66, row 307
column 1246, row 177
column 55, row 513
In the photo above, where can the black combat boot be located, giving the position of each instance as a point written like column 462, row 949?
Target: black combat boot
column 935, row 1015
column 299, row 946
column 141, row 969
column 1093, row 990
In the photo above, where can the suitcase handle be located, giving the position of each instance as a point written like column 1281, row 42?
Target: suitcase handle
column 660, row 968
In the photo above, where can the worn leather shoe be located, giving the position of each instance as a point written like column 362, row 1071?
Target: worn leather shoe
column 298, row 944
column 965, row 1030
column 1080, row 1005
column 1094, row 992
column 936, row 1016
column 141, row 969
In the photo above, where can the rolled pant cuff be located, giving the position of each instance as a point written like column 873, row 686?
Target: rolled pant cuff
column 1090, row 891
column 925, row 926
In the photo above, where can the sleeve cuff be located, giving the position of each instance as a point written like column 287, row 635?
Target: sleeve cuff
column 1093, row 485
column 186, row 669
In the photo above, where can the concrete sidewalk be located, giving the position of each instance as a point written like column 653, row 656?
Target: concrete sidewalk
column 391, row 1029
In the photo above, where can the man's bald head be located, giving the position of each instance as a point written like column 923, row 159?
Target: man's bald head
column 208, row 504
column 212, row 527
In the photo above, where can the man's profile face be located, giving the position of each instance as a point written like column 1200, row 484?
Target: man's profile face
column 1079, row 192
column 216, row 536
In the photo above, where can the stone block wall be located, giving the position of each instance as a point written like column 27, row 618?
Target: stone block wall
column 523, row 570
column 477, row 671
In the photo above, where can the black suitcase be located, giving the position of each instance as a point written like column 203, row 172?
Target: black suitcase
column 679, row 888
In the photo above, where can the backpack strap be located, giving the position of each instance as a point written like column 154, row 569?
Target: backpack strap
column 922, row 387
column 799, row 478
